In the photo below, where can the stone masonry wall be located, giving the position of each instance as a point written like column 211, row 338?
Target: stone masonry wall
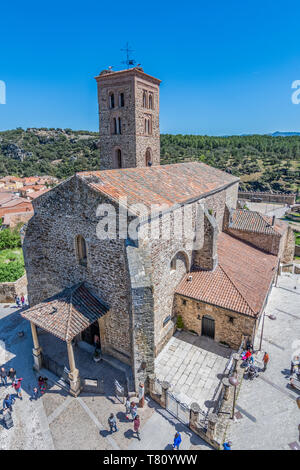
column 133, row 141
column 229, row 326
column 163, row 251
column 51, row 261
column 268, row 243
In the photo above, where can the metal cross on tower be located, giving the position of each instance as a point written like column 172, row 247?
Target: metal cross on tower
column 128, row 61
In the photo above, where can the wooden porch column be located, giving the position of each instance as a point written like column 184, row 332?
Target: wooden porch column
column 74, row 377
column 37, row 351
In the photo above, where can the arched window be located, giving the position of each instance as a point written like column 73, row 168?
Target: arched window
column 115, row 130
column 119, row 126
column 81, row 250
column 144, row 99
column 118, row 158
column 150, row 100
column 111, row 100
column 146, row 126
column 148, row 157
column 121, row 100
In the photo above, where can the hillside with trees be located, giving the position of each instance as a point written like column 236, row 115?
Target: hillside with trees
column 263, row 162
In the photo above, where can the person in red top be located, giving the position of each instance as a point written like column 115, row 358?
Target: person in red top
column 17, row 386
column 265, row 360
column 136, row 426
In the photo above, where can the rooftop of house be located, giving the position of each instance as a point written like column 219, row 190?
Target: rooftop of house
column 13, row 202
column 240, row 282
column 67, row 313
column 252, row 221
column 167, row 185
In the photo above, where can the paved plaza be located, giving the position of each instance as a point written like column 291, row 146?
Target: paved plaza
column 269, row 416
column 193, row 365
column 59, row 421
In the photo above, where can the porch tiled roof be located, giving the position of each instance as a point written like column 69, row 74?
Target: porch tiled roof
column 67, row 313
column 161, row 184
column 240, row 282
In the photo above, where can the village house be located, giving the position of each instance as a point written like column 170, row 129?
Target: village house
column 215, row 270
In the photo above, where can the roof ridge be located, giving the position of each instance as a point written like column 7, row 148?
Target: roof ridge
column 235, row 286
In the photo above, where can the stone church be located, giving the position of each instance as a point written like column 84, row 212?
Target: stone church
column 215, row 271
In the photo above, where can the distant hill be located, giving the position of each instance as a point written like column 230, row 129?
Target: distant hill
column 261, row 161
column 284, row 134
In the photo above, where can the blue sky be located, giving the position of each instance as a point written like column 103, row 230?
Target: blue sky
column 226, row 66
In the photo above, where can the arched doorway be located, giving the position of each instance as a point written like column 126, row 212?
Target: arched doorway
column 148, row 157
column 208, row 327
column 117, row 158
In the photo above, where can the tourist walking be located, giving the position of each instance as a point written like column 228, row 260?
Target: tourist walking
column 3, row 376
column 18, row 387
column 18, row 301
column 136, row 426
column 133, row 410
column 227, row 445
column 265, row 360
column 12, row 374
column 127, row 407
column 177, row 441
column 23, row 300
column 42, row 384
column 8, row 402
column 294, row 364
column 35, row 394
column 112, row 423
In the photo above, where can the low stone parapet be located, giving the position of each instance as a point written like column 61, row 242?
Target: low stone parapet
column 9, row 290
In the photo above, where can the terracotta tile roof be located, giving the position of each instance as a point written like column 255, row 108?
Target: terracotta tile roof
column 252, row 221
column 162, row 184
column 67, row 313
column 240, row 282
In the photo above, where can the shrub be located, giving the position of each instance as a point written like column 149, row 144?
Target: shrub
column 11, row 272
column 9, row 238
column 179, row 322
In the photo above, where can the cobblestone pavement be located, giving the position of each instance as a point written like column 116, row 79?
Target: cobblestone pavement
column 59, row 421
column 193, row 365
column 270, row 416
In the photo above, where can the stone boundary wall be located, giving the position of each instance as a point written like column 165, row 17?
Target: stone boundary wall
column 268, row 197
column 9, row 290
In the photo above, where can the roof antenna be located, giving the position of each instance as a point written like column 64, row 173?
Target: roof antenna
column 129, row 62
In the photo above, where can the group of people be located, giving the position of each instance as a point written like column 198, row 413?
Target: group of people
column 15, row 382
column 40, row 389
column 131, row 409
column 20, row 301
column 248, row 357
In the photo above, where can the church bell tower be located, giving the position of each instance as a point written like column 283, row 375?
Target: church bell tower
column 128, row 119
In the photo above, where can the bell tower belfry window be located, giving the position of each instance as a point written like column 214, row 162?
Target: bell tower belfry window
column 128, row 119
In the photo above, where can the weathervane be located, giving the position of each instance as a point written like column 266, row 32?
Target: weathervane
column 128, row 60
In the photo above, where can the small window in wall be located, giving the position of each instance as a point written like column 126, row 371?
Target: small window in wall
column 183, row 302
column 119, row 126
column 111, row 100
column 148, row 157
column 144, row 99
column 231, row 319
column 150, row 100
column 81, row 250
column 121, row 100
column 118, row 158
column 166, row 320
column 115, row 130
